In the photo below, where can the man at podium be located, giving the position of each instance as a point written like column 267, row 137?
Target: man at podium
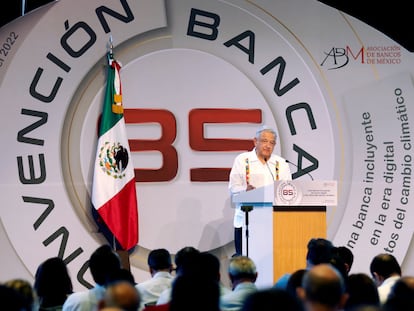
column 252, row 169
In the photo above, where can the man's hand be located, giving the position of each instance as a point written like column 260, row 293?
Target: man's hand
column 250, row 187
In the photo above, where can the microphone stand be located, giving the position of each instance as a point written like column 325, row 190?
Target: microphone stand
column 246, row 209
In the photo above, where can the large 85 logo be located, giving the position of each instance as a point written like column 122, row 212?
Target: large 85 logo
column 197, row 119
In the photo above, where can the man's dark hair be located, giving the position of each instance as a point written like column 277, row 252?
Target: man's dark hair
column 185, row 258
column 269, row 299
column 189, row 293
column 295, row 281
column 361, row 289
column 319, row 251
column 385, row 265
column 346, row 254
column 159, row 259
column 103, row 263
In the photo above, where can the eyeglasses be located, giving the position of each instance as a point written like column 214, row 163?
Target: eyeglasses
column 265, row 141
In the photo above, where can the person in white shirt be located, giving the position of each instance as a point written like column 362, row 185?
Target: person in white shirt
column 160, row 267
column 184, row 257
column 103, row 263
column 242, row 273
column 385, row 270
column 253, row 169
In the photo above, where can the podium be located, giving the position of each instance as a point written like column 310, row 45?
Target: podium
column 283, row 217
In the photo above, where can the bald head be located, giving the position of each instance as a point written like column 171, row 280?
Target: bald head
column 324, row 271
column 324, row 285
column 123, row 295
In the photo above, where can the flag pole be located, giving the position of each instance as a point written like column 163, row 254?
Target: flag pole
column 23, row 7
column 111, row 47
column 123, row 254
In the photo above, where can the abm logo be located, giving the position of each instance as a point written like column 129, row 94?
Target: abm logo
column 337, row 58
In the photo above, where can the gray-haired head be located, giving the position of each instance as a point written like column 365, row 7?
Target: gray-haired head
column 265, row 128
column 242, row 267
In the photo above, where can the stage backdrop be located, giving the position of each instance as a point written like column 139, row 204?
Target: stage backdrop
column 199, row 76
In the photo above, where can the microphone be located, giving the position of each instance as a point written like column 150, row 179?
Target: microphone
column 268, row 167
column 287, row 161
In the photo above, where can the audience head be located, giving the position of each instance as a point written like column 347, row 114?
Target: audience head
column 52, row 282
column 361, row 290
column 340, row 265
column 26, row 290
column 319, row 251
column 121, row 274
column 159, row 260
column 347, row 256
column 323, row 285
column 11, row 299
column 207, row 266
column 295, row 281
column 103, row 263
column 401, row 297
column 272, row 299
column 121, row 294
column 242, row 269
column 191, row 293
column 384, row 266
column 196, row 287
column 184, row 257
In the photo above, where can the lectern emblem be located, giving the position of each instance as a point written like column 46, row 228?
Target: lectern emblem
column 288, row 192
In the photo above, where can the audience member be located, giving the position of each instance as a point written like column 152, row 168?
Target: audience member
column 323, row 288
column 196, row 285
column 102, row 264
column 385, row 270
column 272, row 299
column 203, row 268
column 319, row 250
column 324, row 284
column 160, row 267
column 190, row 292
column 122, row 295
column 52, row 284
column 122, row 274
column 295, row 281
column 342, row 259
column 361, row 290
column 27, row 292
column 184, row 257
column 11, row 299
column 210, row 267
column 347, row 256
column 242, row 273
column 401, row 296
column 339, row 265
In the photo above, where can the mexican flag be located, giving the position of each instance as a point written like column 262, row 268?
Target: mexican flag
column 114, row 197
